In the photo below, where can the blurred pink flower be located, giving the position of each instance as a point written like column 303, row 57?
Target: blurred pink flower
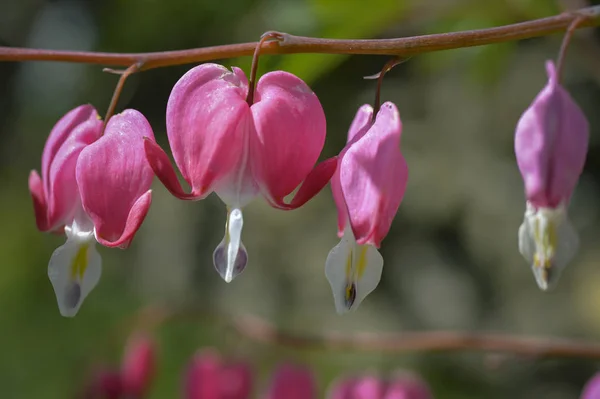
column 138, row 367
column 209, row 377
column 133, row 379
column 551, row 142
column 401, row 386
column 591, row 390
column 222, row 144
column 292, row 382
column 94, row 188
column 368, row 187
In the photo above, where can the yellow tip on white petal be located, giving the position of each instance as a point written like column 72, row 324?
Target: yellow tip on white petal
column 548, row 241
column 74, row 270
column 353, row 271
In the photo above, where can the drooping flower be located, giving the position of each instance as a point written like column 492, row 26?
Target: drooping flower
column 222, row 144
column 95, row 188
column 292, row 382
column 551, row 142
column 400, row 386
column 363, row 387
column 132, row 381
column 209, row 377
column 591, row 390
column 138, row 367
column 368, row 187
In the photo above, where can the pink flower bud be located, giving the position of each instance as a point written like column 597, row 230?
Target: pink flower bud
column 104, row 385
column 208, row 377
column 138, row 367
column 366, row 387
column 591, row 390
column 551, row 142
column 292, row 382
column 401, row 386
column 407, row 386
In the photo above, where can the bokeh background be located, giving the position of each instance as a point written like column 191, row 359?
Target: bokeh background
column 451, row 257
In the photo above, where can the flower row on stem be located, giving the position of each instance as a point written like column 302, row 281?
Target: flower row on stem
column 244, row 139
column 211, row 376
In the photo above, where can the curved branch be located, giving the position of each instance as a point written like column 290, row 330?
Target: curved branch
column 261, row 331
column 298, row 44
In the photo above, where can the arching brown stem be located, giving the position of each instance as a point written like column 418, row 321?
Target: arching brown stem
column 119, row 88
column 261, row 331
column 269, row 36
column 297, row 44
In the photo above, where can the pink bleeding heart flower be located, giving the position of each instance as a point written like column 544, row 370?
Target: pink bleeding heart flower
column 138, row 367
column 591, row 390
column 95, row 188
column 404, row 385
column 364, row 387
column 400, row 386
column 551, row 142
column 292, row 382
column 105, row 384
column 222, row 144
column 209, row 377
column 368, row 187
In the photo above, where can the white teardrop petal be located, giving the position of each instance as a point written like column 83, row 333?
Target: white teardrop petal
column 74, row 270
column 369, row 274
column 353, row 272
column 230, row 257
column 337, row 273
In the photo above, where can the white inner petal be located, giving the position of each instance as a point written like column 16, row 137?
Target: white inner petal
column 75, row 268
column 353, row 271
column 548, row 241
column 230, row 257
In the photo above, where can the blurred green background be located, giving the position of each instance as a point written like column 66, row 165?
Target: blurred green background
column 451, row 257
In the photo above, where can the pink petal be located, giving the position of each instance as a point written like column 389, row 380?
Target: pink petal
column 591, row 390
column 290, row 133
column 341, row 389
column 162, row 168
column 360, row 125
column 316, row 180
column 206, row 118
column 71, row 134
column 106, row 384
column 202, row 380
column 236, row 381
column 551, row 142
column 137, row 370
column 292, row 382
column 114, row 179
column 366, row 387
column 373, row 177
column 40, row 208
column 407, row 386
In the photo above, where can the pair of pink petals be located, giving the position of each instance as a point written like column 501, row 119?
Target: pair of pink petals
column 105, row 174
column 221, row 143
